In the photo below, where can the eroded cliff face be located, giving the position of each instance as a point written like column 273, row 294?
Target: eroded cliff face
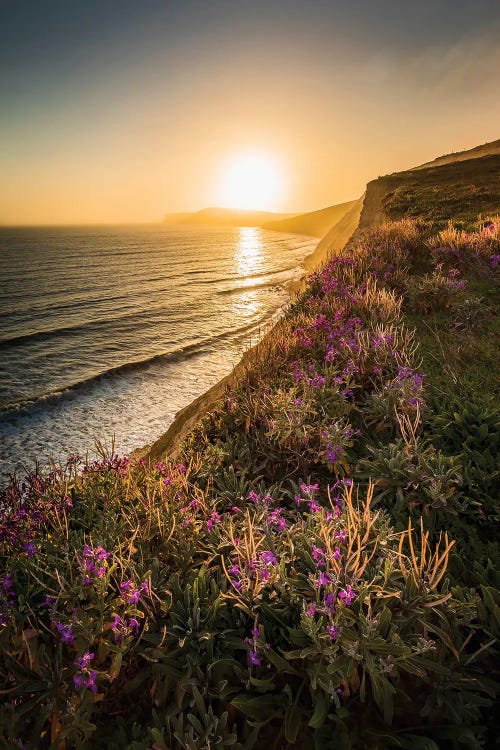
column 366, row 212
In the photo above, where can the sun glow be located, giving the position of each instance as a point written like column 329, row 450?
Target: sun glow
column 251, row 181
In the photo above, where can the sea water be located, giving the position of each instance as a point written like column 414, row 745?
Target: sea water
column 106, row 332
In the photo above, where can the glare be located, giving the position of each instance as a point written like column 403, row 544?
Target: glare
column 251, row 181
column 248, row 255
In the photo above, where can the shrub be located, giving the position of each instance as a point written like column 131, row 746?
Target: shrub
column 434, row 291
column 477, row 251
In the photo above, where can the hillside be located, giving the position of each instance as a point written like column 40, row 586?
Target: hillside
column 224, row 217
column 315, row 223
column 486, row 149
column 459, row 191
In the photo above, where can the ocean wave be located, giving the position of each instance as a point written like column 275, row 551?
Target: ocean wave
column 235, row 335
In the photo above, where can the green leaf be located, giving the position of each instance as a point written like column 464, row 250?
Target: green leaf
column 293, row 720
column 263, row 685
column 200, row 703
column 415, row 742
column 261, row 708
column 320, row 711
column 196, row 723
column 280, row 663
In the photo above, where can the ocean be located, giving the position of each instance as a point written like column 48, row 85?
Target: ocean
column 106, row 332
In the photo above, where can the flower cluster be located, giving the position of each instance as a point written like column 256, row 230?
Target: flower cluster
column 85, row 677
column 123, row 627
column 130, row 593
column 94, row 563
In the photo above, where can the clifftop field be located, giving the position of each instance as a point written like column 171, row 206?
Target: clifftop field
column 317, row 565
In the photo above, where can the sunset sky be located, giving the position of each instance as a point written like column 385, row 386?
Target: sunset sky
column 118, row 111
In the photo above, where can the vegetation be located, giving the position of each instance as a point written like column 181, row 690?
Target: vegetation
column 458, row 191
column 316, row 568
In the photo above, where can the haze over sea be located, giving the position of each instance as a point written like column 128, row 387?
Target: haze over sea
column 109, row 331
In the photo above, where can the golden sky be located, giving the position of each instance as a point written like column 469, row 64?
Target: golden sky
column 123, row 117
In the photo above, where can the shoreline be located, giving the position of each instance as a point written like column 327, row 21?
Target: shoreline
column 187, row 417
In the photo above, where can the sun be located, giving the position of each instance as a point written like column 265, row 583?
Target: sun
column 253, row 180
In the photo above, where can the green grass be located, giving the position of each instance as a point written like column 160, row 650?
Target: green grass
column 459, row 192
column 462, row 359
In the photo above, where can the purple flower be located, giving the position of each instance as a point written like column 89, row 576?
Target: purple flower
column 276, row 519
column 314, row 507
column 90, row 559
column 329, row 602
column 346, row 595
column 101, row 553
column 333, row 452
column 65, row 632
column 214, row 520
column 337, row 553
column 311, row 610
column 255, row 633
column 323, row 579
column 119, row 628
column 134, row 624
column 332, row 631
column 83, row 661
column 253, row 659
column 318, row 381
column 309, row 489
column 78, row 681
column 318, row 555
column 268, row 558
column 414, row 401
column 85, row 680
column 30, row 548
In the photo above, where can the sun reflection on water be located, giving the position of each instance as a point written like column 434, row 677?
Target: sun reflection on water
column 249, row 266
column 248, row 256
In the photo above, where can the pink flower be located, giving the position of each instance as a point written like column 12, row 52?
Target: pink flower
column 332, row 631
column 323, row 579
column 253, row 659
column 268, row 558
column 311, row 610
column 347, row 595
